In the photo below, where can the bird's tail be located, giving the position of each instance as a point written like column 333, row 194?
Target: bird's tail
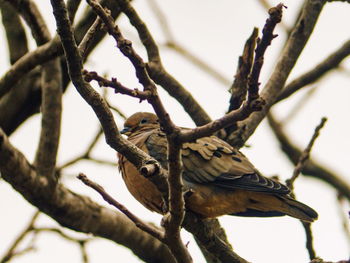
column 297, row 209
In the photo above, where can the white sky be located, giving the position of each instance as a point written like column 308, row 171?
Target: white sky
column 216, row 31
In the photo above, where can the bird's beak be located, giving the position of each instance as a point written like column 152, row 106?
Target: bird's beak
column 125, row 130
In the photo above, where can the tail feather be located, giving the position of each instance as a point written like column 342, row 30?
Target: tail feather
column 298, row 210
column 266, row 205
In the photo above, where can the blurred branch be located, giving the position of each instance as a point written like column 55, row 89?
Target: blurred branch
column 31, row 14
column 80, row 241
column 10, row 253
column 15, row 34
column 299, row 105
column 295, row 45
column 171, row 43
column 311, row 168
column 330, row 63
column 88, row 37
column 86, row 154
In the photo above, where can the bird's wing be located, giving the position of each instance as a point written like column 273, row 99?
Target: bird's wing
column 210, row 160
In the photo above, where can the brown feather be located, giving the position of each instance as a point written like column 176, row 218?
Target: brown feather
column 221, row 179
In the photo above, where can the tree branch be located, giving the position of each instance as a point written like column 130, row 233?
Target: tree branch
column 294, row 46
column 311, row 168
column 51, row 107
column 109, row 199
column 15, row 33
column 74, row 211
column 157, row 71
column 31, row 14
column 305, row 155
column 317, row 72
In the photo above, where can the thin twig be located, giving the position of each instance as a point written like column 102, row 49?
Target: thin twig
column 109, row 199
column 87, row 154
column 116, row 85
column 311, row 168
column 299, row 105
column 180, row 49
column 275, row 16
column 305, row 155
column 309, row 240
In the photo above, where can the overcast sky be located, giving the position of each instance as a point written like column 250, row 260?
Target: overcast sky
column 216, row 32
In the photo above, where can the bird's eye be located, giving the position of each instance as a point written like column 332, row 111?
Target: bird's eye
column 143, row 121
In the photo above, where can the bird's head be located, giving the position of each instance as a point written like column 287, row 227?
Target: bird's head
column 138, row 121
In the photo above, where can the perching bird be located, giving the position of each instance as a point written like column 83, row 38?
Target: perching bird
column 221, row 180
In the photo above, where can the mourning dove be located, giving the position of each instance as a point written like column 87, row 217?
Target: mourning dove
column 219, row 178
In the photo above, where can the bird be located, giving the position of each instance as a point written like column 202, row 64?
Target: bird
column 220, row 180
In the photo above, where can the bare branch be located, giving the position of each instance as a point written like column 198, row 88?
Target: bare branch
column 295, row 44
column 45, row 159
column 109, row 199
column 299, row 105
column 86, row 154
column 74, row 211
column 86, row 41
column 116, row 85
column 157, row 71
column 305, row 155
column 311, row 168
column 237, row 115
column 309, row 240
column 239, row 86
column 253, row 80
